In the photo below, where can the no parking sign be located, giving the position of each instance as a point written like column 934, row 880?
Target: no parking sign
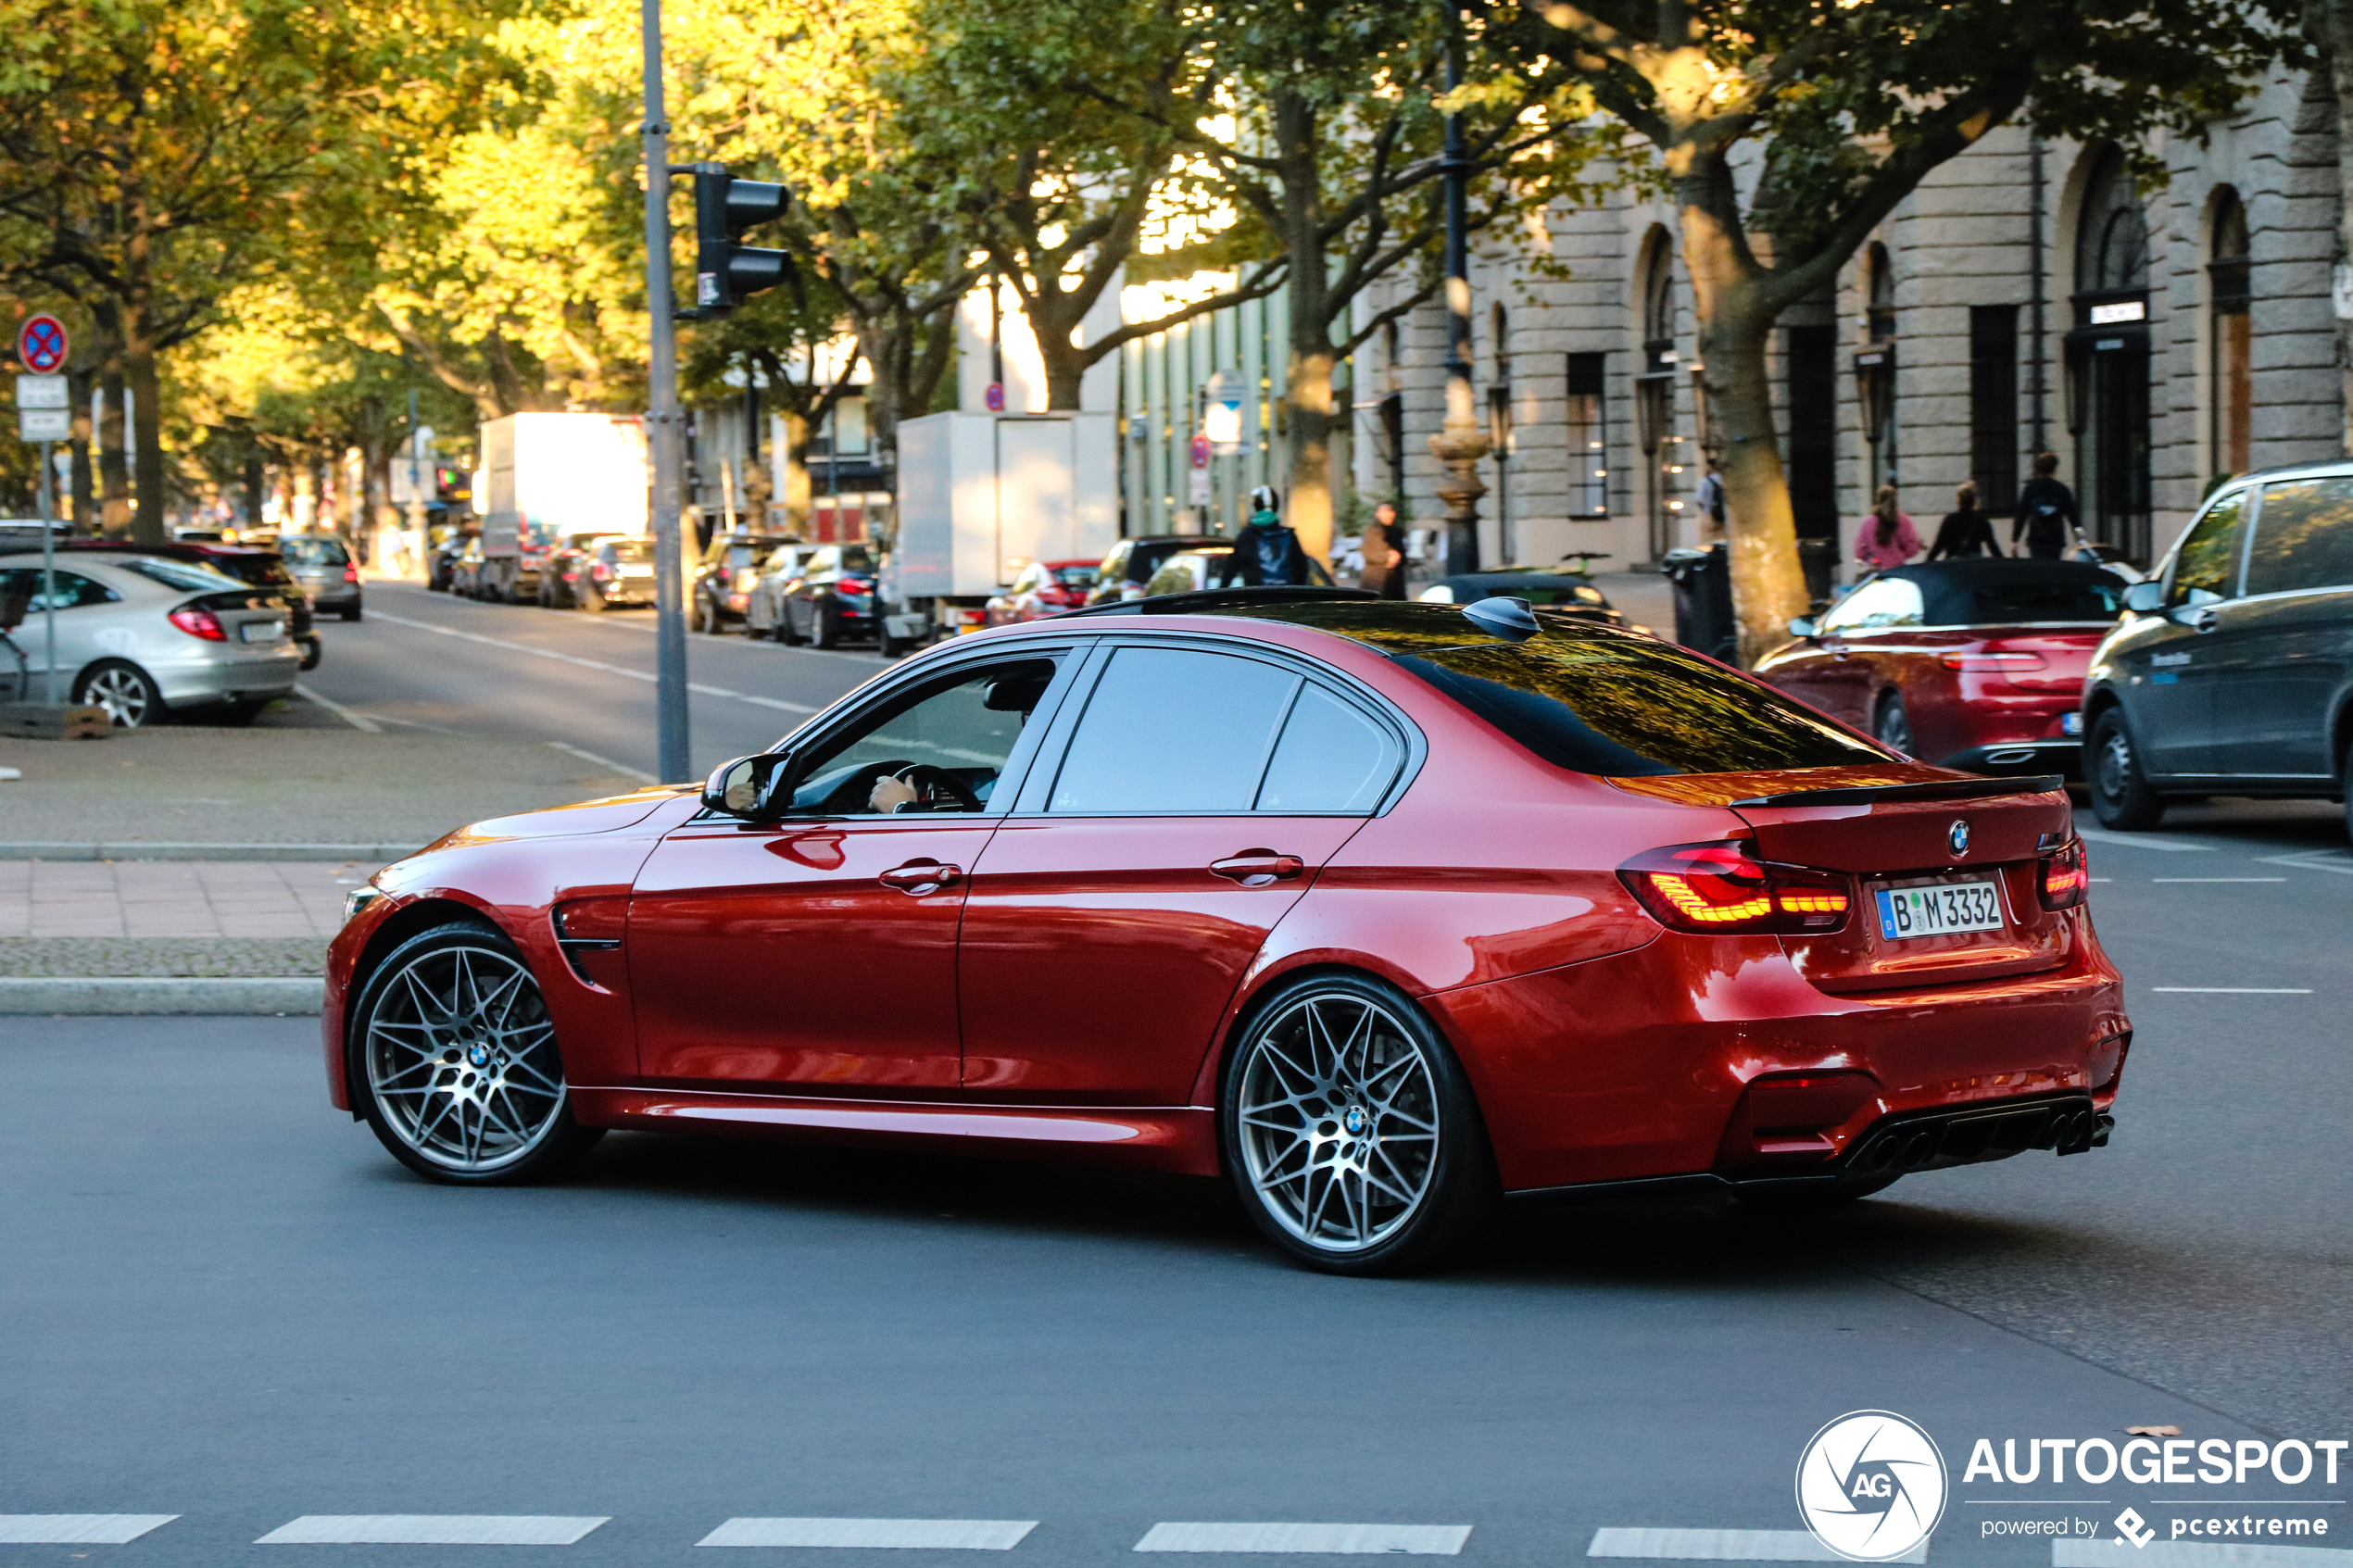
column 41, row 345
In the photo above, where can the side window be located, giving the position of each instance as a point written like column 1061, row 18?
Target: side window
column 2304, row 538
column 2208, row 555
column 73, row 590
column 1332, row 758
column 965, row 728
column 1173, row 731
column 1887, row 601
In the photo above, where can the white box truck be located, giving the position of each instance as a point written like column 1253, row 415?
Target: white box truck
column 982, row 495
column 547, row 476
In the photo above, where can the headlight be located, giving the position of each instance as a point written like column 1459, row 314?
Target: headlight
column 1442, row 595
column 358, row 899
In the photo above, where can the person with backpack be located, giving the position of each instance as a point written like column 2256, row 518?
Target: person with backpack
column 1709, row 498
column 1267, row 554
column 1965, row 531
column 2046, row 513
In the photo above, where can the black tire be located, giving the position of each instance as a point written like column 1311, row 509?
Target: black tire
column 824, row 626
column 787, row 632
column 351, row 614
column 590, row 597
column 1892, row 724
column 313, row 650
column 128, row 693
column 1356, row 1125
column 892, row 647
column 2121, row 797
column 501, row 1051
column 2345, row 782
column 707, row 617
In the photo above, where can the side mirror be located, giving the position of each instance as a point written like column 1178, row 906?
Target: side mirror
column 2144, row 598
column 748, row 786
column 1803, row 626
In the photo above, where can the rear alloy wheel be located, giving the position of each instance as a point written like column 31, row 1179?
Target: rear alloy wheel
column 124, row 690
column 456, row 1059
column 2121, row 793
column 1893, row 723
column 824, row 626
column 1351, row 1132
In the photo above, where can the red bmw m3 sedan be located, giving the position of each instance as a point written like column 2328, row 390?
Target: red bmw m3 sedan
column 1383, row 911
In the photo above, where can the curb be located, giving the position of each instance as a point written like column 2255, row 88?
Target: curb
column 155, row 995
column 377, row 854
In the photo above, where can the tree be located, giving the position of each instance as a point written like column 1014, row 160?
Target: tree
column 1789, row 129
column 772, row 334
column 162, row 152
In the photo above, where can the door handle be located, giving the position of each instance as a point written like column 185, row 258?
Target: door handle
column 919, row 877
column 1258, row 868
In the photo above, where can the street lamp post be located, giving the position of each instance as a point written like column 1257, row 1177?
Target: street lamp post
column 1460, row 442
column 662, row 423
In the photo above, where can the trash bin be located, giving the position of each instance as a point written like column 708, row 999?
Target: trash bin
column 1819, row 560
column 1703, row 585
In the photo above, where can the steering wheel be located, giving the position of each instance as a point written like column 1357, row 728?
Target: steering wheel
column 932, row 784
column 848, row 796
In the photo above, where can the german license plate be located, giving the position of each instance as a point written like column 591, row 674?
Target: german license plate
column 1943, row 908
column 262, row 630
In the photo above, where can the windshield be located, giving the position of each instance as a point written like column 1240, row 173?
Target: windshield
column 2011, row 604
column 1076, row 576
column 1596, row 701
column 629, row 550
column 855, row 558
column 312, row 552
column 179, row 574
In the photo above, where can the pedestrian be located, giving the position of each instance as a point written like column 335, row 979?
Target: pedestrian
column 1709, row 498
column 1265, row 553
column 1965, row 531
column 2046, row 512
column 1888, row 539
column 1384, row 542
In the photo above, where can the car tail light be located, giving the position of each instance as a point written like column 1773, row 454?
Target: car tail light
column 350, row 572
column 199, row 623
column 2063, row 877
column 1722, row 887
column 600, row 571
column 1994, row 663
column 855, row 589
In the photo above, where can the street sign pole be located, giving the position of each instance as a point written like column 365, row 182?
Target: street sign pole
column 662, row 424
column 48, row 585
column 41, row 416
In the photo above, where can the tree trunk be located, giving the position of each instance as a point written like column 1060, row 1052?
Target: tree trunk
column 85, row 511
column 1307, row 398
column 1066, row 366
column 114, row 474
column 1307, row 390
column 794, row 446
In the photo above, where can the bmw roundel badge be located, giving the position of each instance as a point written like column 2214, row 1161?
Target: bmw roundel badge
column 1958, row 837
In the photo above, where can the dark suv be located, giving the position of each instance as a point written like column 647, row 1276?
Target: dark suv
column 2232, row 671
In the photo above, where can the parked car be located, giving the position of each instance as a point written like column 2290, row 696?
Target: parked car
column 322, row 563
column 1043, row 588
column 248, row 564
column 832, row 598
column 1564, row 589
column 719, row 593
column 441, row 560
column 2231, row 672
column 620, row 571
column 1203, row 566
column 1379, row 911
column 468, row 572
column 141, row 636
column 1974, row 663
column 1133, row 563
column 764, row 607
column 567, row 562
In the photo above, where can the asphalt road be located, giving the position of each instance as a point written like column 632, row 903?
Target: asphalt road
column 436, row 662
column 222, row 1301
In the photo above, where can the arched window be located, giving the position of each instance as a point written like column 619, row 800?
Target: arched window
column 2108, row 358
column 1655, row 394
column 1879, row 315
column 2229, row 292
column 2112, row 238
column 1875, row 365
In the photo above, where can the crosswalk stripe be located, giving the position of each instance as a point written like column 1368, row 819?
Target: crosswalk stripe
column 2196, row 1554
column 431, row 1529
column 1425, row 1540
column 1724, row 1546
column 970, row 1535
column 91, row 1529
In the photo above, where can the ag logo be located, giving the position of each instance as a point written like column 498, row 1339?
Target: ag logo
column 1871, row 1486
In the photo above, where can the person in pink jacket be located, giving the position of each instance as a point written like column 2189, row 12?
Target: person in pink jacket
column 1888, row 538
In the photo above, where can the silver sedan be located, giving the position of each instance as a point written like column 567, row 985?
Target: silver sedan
column 141, row 636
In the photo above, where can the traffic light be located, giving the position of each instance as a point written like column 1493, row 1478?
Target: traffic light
column 726, row 271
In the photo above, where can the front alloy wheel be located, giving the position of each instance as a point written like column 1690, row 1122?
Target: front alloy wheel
column 123, row 690
column 459, row 1058
column 1355, row 1141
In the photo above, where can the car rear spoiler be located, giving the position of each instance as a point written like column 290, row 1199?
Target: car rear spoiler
column 1937, row 789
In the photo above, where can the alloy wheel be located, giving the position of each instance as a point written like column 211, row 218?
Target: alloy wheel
column 1339, row 1122
column 462, row 1059
column 123, row 691
column 1895, row 726
column 2115, row 765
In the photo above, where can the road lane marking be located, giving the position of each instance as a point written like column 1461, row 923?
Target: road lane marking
column 359, row 721
column 1420, row 1540
column 1725, row 1545
column 431, row 1529
column 603, row 761
column 2237, row 990
column 2217, row 879
column 2145, row 841
column 76, row 1529
column 2194, row 1554
column 598, row 664
column 969, row 1534
column 2313, row 860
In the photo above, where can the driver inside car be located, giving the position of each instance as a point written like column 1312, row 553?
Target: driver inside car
column 958, row 735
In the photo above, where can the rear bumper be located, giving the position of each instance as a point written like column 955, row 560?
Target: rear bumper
column 265, row 670
column 2020, row 758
